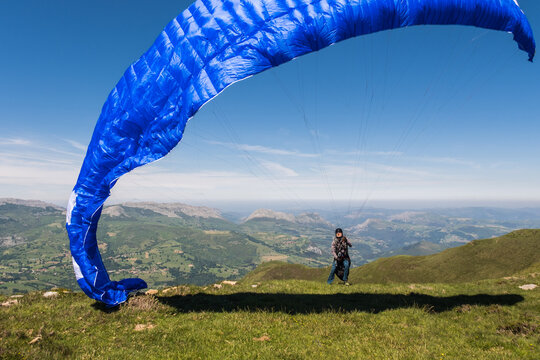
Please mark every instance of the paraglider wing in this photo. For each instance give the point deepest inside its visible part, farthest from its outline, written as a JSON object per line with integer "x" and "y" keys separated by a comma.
{"x": 208, "y": 47}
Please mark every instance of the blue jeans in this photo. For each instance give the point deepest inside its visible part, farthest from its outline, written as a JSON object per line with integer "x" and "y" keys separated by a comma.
{"x": 346, "y": 264}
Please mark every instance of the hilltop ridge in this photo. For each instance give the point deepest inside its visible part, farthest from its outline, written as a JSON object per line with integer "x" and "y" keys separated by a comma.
{"x": 30, "y": 203}
{"x": 173, "y": 210}
{"x": 303, "y": 218}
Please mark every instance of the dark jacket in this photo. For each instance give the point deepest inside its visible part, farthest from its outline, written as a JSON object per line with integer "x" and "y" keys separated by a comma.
{"x": 340, "y": 248}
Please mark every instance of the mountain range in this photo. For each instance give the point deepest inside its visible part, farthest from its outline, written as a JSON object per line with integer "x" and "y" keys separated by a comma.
{"x": 175, "y": 243}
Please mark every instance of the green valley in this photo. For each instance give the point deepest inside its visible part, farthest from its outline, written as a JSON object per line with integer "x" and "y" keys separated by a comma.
{"x": 170, "y": 243}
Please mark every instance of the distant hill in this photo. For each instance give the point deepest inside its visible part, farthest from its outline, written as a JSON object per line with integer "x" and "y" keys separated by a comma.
{"x": 396, "y": 231}
{"x": 177, "y": 209}
{"x": 164, "y": 244}
{"x": 264, "y": 220}
{"x": 304, "y": 218}
{"x": 480, "y": 259}
{"x": 270, "y": 214}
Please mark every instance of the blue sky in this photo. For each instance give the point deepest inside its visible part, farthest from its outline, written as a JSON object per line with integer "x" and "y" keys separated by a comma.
{"x": 426, "y": 113}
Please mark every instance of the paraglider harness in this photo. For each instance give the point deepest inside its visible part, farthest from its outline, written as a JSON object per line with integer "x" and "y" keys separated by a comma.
{"x": 340, "y": 267}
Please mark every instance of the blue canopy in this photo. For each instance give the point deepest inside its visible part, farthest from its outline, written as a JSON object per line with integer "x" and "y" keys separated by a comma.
{"x": 209, "y": 46}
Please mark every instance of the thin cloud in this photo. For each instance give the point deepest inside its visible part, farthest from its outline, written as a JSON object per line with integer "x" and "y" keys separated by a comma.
{"x": 282, "y": 183}
{"x": 28, "y": 146}
{"x": 364, "y": 153}
{"x": 14, "y": 141}
{"x": 49, "y": 172}
{"x": 32, "y": 159}
{"x": 263, "y": 149}
{"x": 373, "y": 170}
{"x": 37, "y": 176}
{"x": 58, "y": 151}
{"x": 446, "y": 160}
{"x": 75, "y": 144}
{"x": 278, "y": 169}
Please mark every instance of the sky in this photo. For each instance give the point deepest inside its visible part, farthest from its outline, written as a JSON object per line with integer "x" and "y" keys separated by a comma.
{"x": 434, "y": 114}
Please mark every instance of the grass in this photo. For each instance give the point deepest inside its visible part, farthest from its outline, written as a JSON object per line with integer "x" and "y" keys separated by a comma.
{"x": 285, "y": 319}
{"x": 287, "y": 311}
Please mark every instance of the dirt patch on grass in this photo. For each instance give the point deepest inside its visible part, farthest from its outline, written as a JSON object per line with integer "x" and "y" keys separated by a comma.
{"x": 465, "y": 308}
{"x": 494, "y": 309}
{"x": 142, "y": 303}
{"x": 142, "y": 327}
{"x": 521, "y": 328}
{"x": 262, "y": 338}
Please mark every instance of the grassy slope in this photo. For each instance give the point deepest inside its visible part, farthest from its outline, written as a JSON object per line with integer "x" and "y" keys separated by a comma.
{"x": 417, "y": 249}
{"x": 479, "y": 259}
{"x": 298, "y": 319}
{"x": 289, "y": 319}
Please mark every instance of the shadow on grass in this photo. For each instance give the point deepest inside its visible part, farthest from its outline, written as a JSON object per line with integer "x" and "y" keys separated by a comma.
{"x": 104, "y": 308}
{"x": 318, "y": 303}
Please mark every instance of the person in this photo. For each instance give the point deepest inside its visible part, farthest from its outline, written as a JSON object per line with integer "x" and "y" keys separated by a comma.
{"x": 340, "y": 250}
